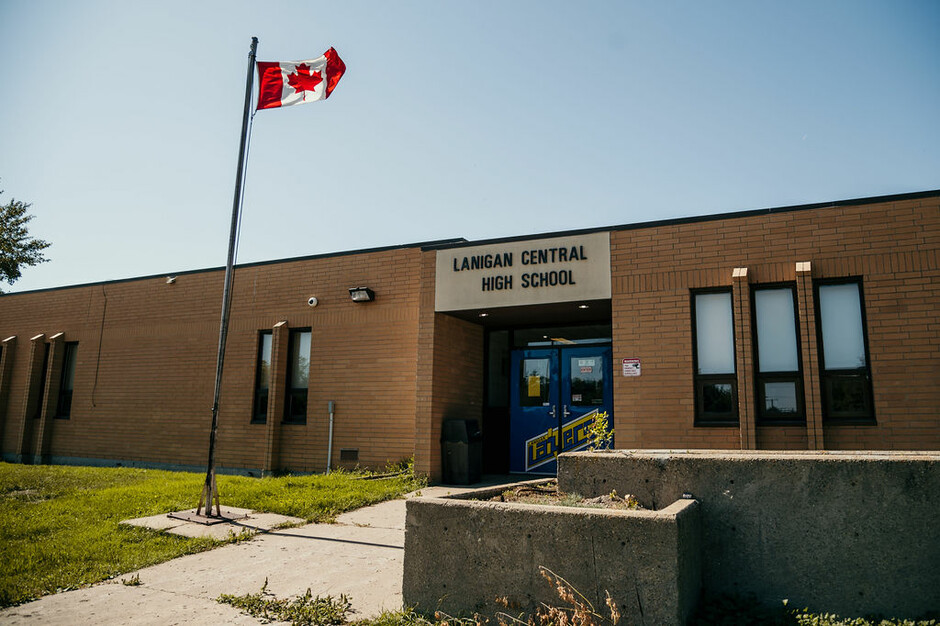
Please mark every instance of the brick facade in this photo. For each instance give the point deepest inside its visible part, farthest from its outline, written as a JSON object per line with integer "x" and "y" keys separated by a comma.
{"x": 146, "y": 361}
{"x": 892, "y": 246}
{"x": 396, "y": 369}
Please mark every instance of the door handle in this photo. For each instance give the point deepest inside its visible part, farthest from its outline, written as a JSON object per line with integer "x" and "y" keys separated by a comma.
{"x": 564, "y": 411}
{"x": 552, "y": 412}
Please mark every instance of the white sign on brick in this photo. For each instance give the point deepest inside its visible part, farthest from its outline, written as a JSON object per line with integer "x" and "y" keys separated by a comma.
{"x": 533, "y": 271}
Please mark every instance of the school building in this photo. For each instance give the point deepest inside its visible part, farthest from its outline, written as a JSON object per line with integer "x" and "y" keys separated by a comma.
{"x": 810, "y": 327}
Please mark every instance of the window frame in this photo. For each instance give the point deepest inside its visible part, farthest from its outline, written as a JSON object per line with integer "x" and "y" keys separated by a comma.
{"x": 701, "y": 381}
{"x": 826, "y": 376}
{"x": 760, "y": 378}
{"x": 291, "y": 392}
{"x": 63, "y": 409}
{"x": 259, "y": 406}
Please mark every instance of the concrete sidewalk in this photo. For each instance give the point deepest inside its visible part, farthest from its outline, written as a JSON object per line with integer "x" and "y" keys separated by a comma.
{"x": 361, "y": 556}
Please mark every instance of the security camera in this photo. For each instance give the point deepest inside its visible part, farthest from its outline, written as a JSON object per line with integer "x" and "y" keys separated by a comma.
{"x": 312, "y": 301}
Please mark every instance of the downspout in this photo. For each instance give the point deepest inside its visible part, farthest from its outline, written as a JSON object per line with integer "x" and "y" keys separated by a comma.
{"x": 329, "y": 450}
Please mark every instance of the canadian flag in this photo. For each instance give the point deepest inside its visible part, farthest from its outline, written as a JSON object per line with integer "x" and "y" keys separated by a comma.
{"x": 295, "y": 82}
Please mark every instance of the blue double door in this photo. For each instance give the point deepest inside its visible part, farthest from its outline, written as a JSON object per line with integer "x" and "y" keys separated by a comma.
{"x": 555, "y": 395}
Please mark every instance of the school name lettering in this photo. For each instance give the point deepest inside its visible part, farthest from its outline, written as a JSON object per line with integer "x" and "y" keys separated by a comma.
{"x": 528, "y": 257}
{"x": 527, "y": 280}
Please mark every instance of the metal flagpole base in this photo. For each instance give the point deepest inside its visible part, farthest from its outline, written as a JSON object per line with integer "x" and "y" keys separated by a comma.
{"x": 228, "y": 515}
{"x": 210, "y": 494}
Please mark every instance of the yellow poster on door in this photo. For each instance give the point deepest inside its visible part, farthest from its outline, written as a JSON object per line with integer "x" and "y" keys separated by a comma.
{"x": 535, "y": 386}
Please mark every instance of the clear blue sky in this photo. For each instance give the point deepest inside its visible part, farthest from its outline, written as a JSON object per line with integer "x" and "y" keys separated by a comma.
{"x": 120, "y": 121}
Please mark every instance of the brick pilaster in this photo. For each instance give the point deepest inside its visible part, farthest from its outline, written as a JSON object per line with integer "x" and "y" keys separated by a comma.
{"x": 50, "y": 398}
{"x": 744, "y": 357}
{"x": 810, "y": 355}
{"x": 427, "y": 426}
{"x": 31, "y": 396}
{"x": 7, "y": 357}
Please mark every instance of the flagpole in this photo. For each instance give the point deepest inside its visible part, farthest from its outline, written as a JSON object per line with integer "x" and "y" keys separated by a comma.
{"x": 210, "y": 492}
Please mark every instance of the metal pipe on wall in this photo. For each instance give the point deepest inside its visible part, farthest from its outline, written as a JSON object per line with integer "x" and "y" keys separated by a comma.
{"x": 329, "y": 450}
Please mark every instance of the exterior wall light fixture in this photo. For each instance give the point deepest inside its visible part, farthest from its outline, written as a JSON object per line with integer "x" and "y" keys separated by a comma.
{"x": 361, "y": 294}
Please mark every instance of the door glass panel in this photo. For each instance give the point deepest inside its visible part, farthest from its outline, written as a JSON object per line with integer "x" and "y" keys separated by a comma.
{"x": 533, "y": 385}
{"x": 587, "y": 381}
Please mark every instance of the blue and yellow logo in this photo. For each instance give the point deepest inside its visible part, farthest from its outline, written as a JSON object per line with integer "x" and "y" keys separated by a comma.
{"x": 543, "y": 448}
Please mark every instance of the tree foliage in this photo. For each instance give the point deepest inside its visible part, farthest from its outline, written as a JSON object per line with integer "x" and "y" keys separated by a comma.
{"x": 17, "y": 248}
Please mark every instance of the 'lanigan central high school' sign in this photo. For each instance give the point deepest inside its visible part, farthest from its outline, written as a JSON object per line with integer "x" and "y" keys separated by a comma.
{"x": 534, "y": 271}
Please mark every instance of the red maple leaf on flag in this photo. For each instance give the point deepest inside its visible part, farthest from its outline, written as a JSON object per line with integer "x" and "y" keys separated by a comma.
{"x": 304, "y": 80}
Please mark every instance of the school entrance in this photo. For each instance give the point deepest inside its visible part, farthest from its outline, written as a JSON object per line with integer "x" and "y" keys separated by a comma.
{"x": 556, "y": 393}
{"x": 544, "y": 387}
{"x": 545, "y": 307}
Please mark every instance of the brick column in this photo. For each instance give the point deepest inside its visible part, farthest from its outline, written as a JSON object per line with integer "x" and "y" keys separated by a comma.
{"x": 810, "y": 356}
{"x": 31, "y": 396}
{"x": 7, "y": 356}
{"x": 276, "y": 393}
{"x": 426, "y": 423}
{"x": 744, "y": 357}
{"x": 50, "y": 398}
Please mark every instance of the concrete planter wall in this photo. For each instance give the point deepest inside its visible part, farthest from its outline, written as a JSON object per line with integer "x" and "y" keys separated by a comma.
{"x": 850, "y": 533}
{"x": 461, "y": 554}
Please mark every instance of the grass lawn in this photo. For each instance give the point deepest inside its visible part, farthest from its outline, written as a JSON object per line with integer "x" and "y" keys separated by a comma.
{"x": 59, "y": 525}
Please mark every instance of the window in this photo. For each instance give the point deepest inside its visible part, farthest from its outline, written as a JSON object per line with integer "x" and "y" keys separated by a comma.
{"x": 716, "y": 397}
{"x": 587, "y": 381}
{"x": 262, "y": 377}
{"x": 298, "y": 376}
{"x": 67, "y": 381}
{"x": 776, "y": 344}
{"x": 844, "y": 365}
{"x": 534, "y": 385}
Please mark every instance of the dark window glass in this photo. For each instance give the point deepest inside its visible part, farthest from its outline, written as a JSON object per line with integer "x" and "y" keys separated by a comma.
{"x": 533, "y": 386}
{"x": 717, "y": 398}
{"x": 587, "y": 381}
{"x": 845, "y": 373}
{"x": 67, "y": 381}
{"x": 262, "y": 377}
{"x": 298, "y": 376}
{"x": 846, "y": 396}
{"x": 715, "y": 379}
{"x": 779, "y": 378}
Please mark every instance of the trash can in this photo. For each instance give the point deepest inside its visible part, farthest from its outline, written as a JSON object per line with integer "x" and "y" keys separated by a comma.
{"x": 461, "y": 451}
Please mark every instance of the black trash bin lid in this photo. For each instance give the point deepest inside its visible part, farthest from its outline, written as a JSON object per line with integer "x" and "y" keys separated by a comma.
{"x": 460, "y": 431}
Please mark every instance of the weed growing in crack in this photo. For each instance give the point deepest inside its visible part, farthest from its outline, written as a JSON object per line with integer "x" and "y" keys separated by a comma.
{"x": 305, "y": 610}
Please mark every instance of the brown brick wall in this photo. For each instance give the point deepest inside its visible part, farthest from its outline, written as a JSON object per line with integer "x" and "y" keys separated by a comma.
{"x": 148, "y": 398}
{"x": 892, "y": 246}
{"x": 396, "y": 369}
{"x": 450, "y": 375}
